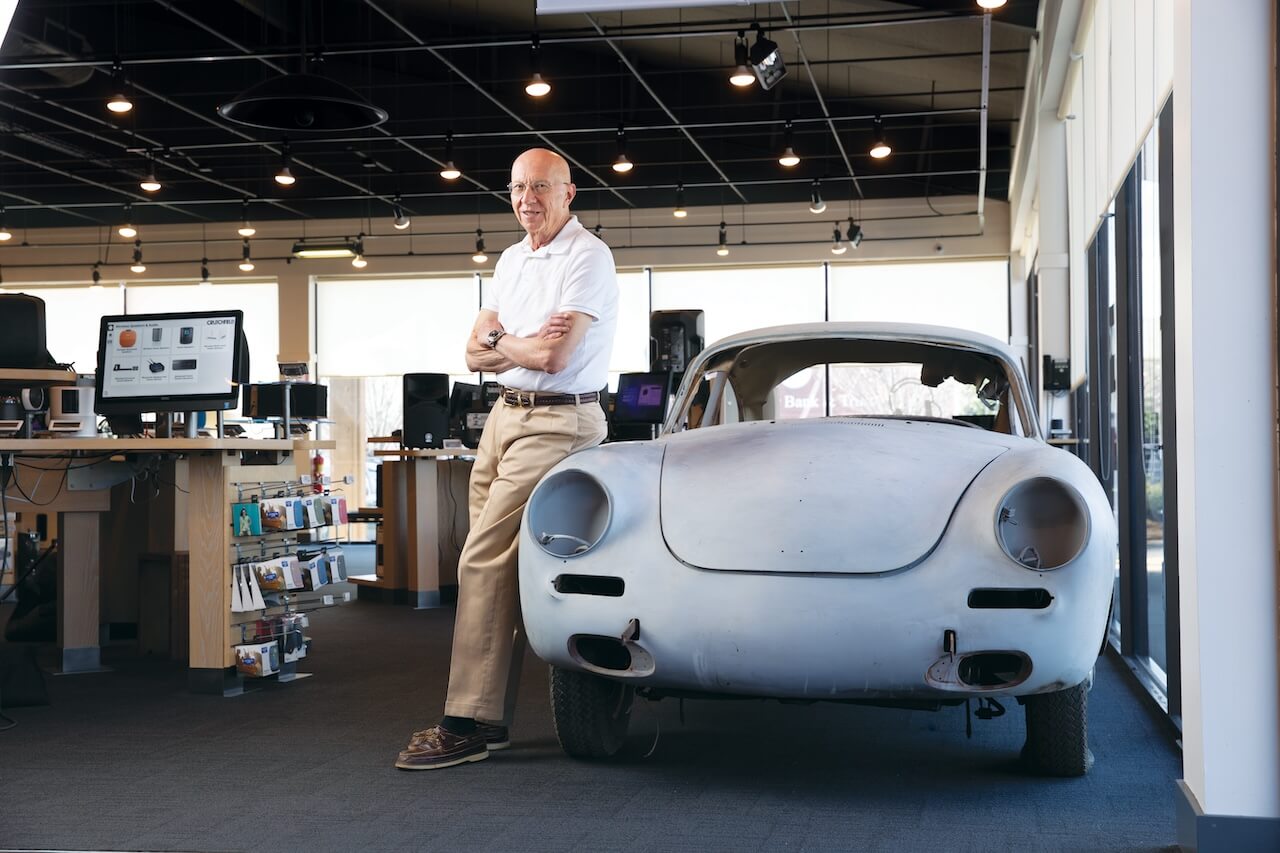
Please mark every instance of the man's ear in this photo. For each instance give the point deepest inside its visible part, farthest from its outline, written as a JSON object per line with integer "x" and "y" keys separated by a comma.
{"x": 572, "y": 193}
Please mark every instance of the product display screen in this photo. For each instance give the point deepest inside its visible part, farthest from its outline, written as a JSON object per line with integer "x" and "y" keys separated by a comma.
{"x": 170, "y": 362}
{"x": 642, "y": 398}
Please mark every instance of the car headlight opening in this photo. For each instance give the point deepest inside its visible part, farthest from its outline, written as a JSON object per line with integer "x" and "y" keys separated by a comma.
{"x": 569, "y": 513}
{"x": 1042, "y": 524}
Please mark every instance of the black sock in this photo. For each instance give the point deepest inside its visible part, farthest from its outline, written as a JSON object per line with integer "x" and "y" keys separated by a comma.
{"x": 458, "y": 725}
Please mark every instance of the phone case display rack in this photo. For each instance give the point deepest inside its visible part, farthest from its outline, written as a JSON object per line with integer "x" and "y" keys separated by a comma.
{"x": 281, "y": 570}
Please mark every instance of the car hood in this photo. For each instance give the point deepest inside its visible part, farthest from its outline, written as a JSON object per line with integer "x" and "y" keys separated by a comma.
{"x": 830, "y": 495}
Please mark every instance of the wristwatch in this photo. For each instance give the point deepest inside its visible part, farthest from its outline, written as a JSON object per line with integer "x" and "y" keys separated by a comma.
{"x": 495, "y": 335}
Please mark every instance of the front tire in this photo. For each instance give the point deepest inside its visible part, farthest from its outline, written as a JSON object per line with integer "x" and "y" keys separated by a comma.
{"x": 1058, "y": 732}
{"x": 591, "y": 714}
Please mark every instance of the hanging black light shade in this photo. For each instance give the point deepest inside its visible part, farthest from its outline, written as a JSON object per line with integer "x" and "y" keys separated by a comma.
{"x": 302, "y": 102}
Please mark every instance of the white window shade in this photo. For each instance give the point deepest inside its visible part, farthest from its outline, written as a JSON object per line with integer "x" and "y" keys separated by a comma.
{"x": 258, "y": 301}
{"x": 383, "y": 327}
{"x": 964, "y": 294}
{"x": 736, "y": 300}
{"x": 71, "y": 321}
{"x": 631, "y": 342}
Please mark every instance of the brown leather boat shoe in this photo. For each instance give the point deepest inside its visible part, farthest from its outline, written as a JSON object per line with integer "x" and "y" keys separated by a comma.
{"x": 495, "y": 737}
{"x": 438, "y": 747}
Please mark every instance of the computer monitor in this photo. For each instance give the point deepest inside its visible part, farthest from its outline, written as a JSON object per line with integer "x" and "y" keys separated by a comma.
{"x": 464, "y": 397}
{"x": 641, "y": 398}
{"x": 180, "y": 362}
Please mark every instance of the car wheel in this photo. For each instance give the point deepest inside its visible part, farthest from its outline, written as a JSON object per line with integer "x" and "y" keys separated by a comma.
{"x": 1058, "y": 732}
{"x": 591, "y": 714}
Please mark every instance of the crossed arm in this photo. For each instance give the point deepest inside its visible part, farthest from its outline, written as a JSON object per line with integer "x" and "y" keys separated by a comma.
{"x": 548, "y": 350}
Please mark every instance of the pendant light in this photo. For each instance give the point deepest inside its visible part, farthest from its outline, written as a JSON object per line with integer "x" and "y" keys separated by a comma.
{"x": 246, "y": 262}
{"x": 788, "y": 157}
{"x": 450, "y": 172}
{"x": 138, "y": 266}
{"x": 742, "y": 76}
{"x": 622, "y": 165}
{"x": 5, "y": 233}
{"x": 150, "y": 183}
{"x": 246, "y": 228}
{"x": 837, "y": 245}
{"x": 284, "y": 177}
{"x": 537, "y": 87}
{"x": 127, "y": 230}
{"x": 880, "y": 147}
{"x": 723, "y": 248}
{"x": 119, "y": 102}
{"x": 480, "y": 257}
{"x": 679, "y": 212}
{"x": 816, "y": 204}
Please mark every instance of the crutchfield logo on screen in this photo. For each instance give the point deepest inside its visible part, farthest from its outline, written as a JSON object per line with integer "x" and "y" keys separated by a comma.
{"x": 219, "y": 322}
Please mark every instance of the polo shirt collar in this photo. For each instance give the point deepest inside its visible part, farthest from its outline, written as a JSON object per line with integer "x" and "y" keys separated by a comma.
{"x": 559, "y": 244}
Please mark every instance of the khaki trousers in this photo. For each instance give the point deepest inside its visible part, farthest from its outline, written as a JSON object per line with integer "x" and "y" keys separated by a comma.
{"x": 517, "y": 447}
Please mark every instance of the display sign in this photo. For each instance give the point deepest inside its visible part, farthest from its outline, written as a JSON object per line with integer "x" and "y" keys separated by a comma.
{"x": 170, "y": 356}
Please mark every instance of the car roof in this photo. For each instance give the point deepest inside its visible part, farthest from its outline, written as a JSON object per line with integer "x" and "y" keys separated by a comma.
{"x": 884, "y": 331}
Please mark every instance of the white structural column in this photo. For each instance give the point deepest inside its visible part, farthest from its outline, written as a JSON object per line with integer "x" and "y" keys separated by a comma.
{"x": 1226, "y": 362}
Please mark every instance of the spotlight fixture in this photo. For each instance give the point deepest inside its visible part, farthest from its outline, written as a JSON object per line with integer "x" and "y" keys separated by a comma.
{"x": 880, "y": 147}
{"x": 622, "y": 165}
{"x": 742, "y": 76}
{"x": 284, "y": 177}
{"x": 816, "y": 204}
{"x": 766, "y": 60}
{"x": 96, "y": 277}
{"x": 138, "y": 265}
{"x": 246, "y": 229}
{"x": 127, "y": 230}
{"x": 837, "y": 245}
{"x": 989, "y": 5}
{"x": 788, "y": 157}
{"x": 679, "y": 212}
{"x": 330, "y": 249}
{"x": 5, "y": 233}
{"x": 358, "y": 261}
{"x": 204, "y": 271}
{"x": 119, "y": 103}
{"x": 723, "y": 248}
{"x": 246, "y": 262}
{"x": 855, "y": 234}
{"x": 537, "y": 87}
{"x": 480, "y": 257}
{"x": 398, "y": 218}
{"x": 449, "y": 172}
{"x": 150, "y": 183}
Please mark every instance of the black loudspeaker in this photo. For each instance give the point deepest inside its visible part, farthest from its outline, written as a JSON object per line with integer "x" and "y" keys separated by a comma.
{"x": 426, "y": 410}
{"x": 22, "y": 340}
{"x": 675, "y": 337}
{"x": 307, "y": 400}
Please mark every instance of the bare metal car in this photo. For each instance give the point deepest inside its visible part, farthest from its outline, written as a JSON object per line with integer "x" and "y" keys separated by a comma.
{"x": 844, "y": 512}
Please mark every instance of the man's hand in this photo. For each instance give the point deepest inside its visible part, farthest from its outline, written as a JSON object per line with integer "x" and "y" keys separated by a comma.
{"x": 556, "y": 326}
{"x": 484, "y": 326}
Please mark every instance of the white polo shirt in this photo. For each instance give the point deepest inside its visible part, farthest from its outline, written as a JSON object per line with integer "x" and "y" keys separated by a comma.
{"x": 574, "y": 272}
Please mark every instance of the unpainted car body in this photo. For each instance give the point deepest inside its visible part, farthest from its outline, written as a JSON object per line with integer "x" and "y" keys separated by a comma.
{"x": 907, "y": 558}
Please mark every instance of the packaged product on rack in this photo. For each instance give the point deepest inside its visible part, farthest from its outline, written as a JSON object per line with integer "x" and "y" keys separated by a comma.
{"x": 246, "y": 519}
{"x": 295, "y": 514}
{"x": 253, "y": 593}
{"x": 337, "y": 565}
{"x": 258, "y": 659}
{"x": 270, "y": 576}
{"x": 337, "y": 509}
{"x": 237, "y": 589}
{"x": 292, "y": 574}
{"x": 274, "y": 514}
{"x": 294, "y": 644}
{"x": 313, "y": 511}
{"x": 315, "y": 570}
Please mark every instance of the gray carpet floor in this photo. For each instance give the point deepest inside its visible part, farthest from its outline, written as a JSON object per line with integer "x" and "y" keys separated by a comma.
{"x": 128, "y": 760}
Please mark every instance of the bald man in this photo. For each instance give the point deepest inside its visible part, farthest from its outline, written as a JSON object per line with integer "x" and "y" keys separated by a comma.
{"x": 546, "y": 329}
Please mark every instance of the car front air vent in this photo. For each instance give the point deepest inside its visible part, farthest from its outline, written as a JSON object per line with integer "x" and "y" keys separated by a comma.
{"x": 986, "y": 598}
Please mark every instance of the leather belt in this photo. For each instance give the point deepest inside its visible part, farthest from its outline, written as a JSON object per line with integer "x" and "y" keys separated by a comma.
{"x": 528, "y": 399}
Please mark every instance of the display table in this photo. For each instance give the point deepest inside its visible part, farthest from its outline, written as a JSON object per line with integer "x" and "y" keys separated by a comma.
{"x": 424, "y": 524}
{"x": 72, "y": 477}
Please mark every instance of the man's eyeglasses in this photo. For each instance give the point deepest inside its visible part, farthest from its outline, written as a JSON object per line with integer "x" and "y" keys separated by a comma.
{"x": 540, "y": 188}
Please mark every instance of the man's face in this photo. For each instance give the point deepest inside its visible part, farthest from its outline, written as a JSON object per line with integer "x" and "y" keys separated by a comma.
{"x": 541, "y": 215}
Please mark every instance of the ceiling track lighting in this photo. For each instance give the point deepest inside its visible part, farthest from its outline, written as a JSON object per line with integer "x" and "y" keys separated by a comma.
{"x": 837, "y": 244}
{"x": 766, "y": 60}
{"x": 723, "y": 248}
{"x": 537, "y": 87}
{"x": 855, "y": 234}
{"x": 450, "y": 172}
{"x": 480, "y": 257}
{"x": 317, "y": 249}
{"x": 816, "y": 204}
{"x": 880, "y": 147}
{"x": 246, "y": 228}
{"x": 204, "y": 271}
{"x": 679, "y": 212}
{"x": 358, "y": 261}
{"x": 5, "y": 233}
{"x": 150, "y": 183}
{"x": 742, "y": 76}
{"x": 246, "y": 262}
{"x": 96, "y": 276}
{"x": 622, "y": 165}
{"x": 127, "y": 230}
{"x": 399, "y": 220}
{"x": 119, "y": 102}
{"x": 284, "y": 177}
{"x": 788, "y": 157}
{"x": 138, "y": 266}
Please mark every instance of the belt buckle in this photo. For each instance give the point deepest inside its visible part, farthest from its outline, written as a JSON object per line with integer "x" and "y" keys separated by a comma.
{"x": 525, "y": 402}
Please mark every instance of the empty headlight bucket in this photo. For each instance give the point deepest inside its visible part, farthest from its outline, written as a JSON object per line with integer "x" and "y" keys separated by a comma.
{"x": 569, "y": 513}
{"x": 1042, "y": 524}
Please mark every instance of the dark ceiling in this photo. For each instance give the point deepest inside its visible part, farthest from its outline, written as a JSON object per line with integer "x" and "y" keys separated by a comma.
{"x": 460, "y": 65}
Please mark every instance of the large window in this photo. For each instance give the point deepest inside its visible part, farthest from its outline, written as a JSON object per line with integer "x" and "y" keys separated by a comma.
{"x": 970, "y": 295}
